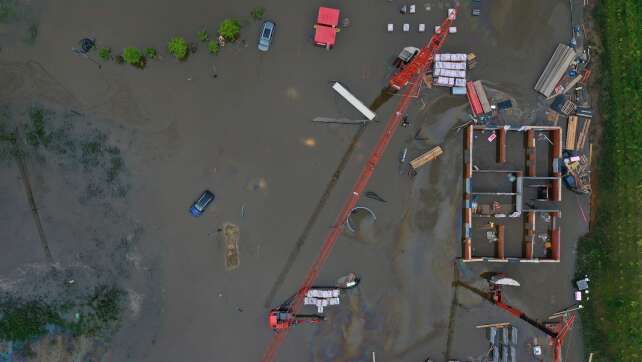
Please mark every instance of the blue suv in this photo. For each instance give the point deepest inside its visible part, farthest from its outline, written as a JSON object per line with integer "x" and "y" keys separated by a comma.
{"x": 266, "y": 36}
{"x": 199, "y": 206}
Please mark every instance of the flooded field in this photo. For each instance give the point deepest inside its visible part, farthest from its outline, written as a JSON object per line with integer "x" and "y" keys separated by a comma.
{"x": 247, "y": 135}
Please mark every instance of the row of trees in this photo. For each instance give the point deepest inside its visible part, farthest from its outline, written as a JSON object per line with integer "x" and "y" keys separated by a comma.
{"x": 229, "y": 30}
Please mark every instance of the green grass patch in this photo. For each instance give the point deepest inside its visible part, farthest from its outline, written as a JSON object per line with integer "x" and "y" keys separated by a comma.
{"x": 22, "y": 321}
{"x": 611, "y": 254}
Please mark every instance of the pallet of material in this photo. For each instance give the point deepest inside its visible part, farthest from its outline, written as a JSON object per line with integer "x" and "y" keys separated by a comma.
{"x": 571, "y": 129}
{"x": 426, "y": 157}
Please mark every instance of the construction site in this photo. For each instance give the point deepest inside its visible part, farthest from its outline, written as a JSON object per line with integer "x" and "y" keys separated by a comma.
{"x": 389, "y": 181}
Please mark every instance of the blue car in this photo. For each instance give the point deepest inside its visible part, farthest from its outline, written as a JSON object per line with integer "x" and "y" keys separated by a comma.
{"x": 267, "y": 31}
{"x": 199, "y": 206}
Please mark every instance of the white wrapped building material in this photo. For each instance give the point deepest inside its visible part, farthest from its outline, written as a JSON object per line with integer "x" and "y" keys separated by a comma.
{"x": 445, "y": 81}
{"x": 451, "y": 65}
{"x": 449, "y": 73}
{"x": 450, "y": 57}
{"x": 460, "y": 82}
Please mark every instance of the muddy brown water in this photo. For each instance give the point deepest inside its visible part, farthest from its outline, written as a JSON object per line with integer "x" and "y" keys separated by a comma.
{"x": 253, "y": 122}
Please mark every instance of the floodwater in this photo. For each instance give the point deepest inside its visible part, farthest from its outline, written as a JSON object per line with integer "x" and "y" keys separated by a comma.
{"x": 248, "y": 136}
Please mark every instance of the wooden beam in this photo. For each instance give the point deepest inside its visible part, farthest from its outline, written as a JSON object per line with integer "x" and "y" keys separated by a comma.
{"x": 501, "y": 145}
{"x": 500, "y": 241}
{"x": 426, "y": 157}
{"x": 497, "y": 325}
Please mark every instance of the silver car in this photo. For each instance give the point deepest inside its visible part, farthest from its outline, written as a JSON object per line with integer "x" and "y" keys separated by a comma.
{"x": 267, "y": 31}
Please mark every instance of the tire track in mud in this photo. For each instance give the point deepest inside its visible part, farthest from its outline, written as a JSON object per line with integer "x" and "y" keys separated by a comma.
{"x": 453, "y": 312}
{"x": 24, "y": 175}
{"x": 294, "y": 253}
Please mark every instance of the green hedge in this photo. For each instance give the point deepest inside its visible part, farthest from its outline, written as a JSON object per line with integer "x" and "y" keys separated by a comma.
{"x": 611, "y": 254}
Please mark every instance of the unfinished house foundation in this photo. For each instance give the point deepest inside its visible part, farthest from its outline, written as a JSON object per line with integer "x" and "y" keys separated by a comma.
{"x": 512, "y": 193}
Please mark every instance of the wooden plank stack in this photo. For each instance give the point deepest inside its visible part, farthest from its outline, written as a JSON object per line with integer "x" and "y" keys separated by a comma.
{"x": 570, "y": 132}
{"x": 581, "y": 141}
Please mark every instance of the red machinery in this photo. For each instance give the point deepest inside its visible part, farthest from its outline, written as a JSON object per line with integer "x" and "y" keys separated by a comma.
{"x": 326, "y": 28}
{"x": 557, "y": 332}
{"x": 410, "y": 74}
{"x": 282, "y": 318}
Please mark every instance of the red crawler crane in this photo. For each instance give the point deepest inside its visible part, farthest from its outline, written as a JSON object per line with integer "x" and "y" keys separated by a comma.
{"x": 410, "y": 74}
{"x": 557, "y": 332}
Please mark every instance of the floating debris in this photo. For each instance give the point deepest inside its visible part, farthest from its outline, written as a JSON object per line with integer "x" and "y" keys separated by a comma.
{"x": 373, "y": 195}
{"x": 231, "y": 236}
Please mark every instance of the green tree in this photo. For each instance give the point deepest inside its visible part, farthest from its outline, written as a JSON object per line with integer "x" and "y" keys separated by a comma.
{"x": 258, "y": 12}
{"x": 203, "y": 36}
{"x": 177, "y": 46}
{"x": 230, "y": 29}
{"x": 104, "y": 53}
{"x": 151, "y": 53}
{"x": 133, "y": 56}
{"x": 213, "y": 47}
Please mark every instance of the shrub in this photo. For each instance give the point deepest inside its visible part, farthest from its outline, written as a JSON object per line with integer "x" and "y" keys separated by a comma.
{"x": 203, "y": 36}
{"x": 229, "y": 29}
{"x": 133, "y": 56}
{"x": 213, "y": 47}
{"x": 258, "y": 13}
{"x": 104, "y": 53}
{"x": 151, "y": 53}
{"x": 177, "y": 46}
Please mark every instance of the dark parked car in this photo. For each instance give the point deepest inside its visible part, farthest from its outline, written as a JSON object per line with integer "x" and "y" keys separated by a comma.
{"x": 199, "y": 206}
{"x": 267, "y": 31}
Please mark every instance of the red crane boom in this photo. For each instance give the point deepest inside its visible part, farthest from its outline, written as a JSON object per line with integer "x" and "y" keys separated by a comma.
{"x": 413, "y": 71}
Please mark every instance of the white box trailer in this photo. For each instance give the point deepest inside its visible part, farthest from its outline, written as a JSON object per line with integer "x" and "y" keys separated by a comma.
{"x": 356, "y": 103}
